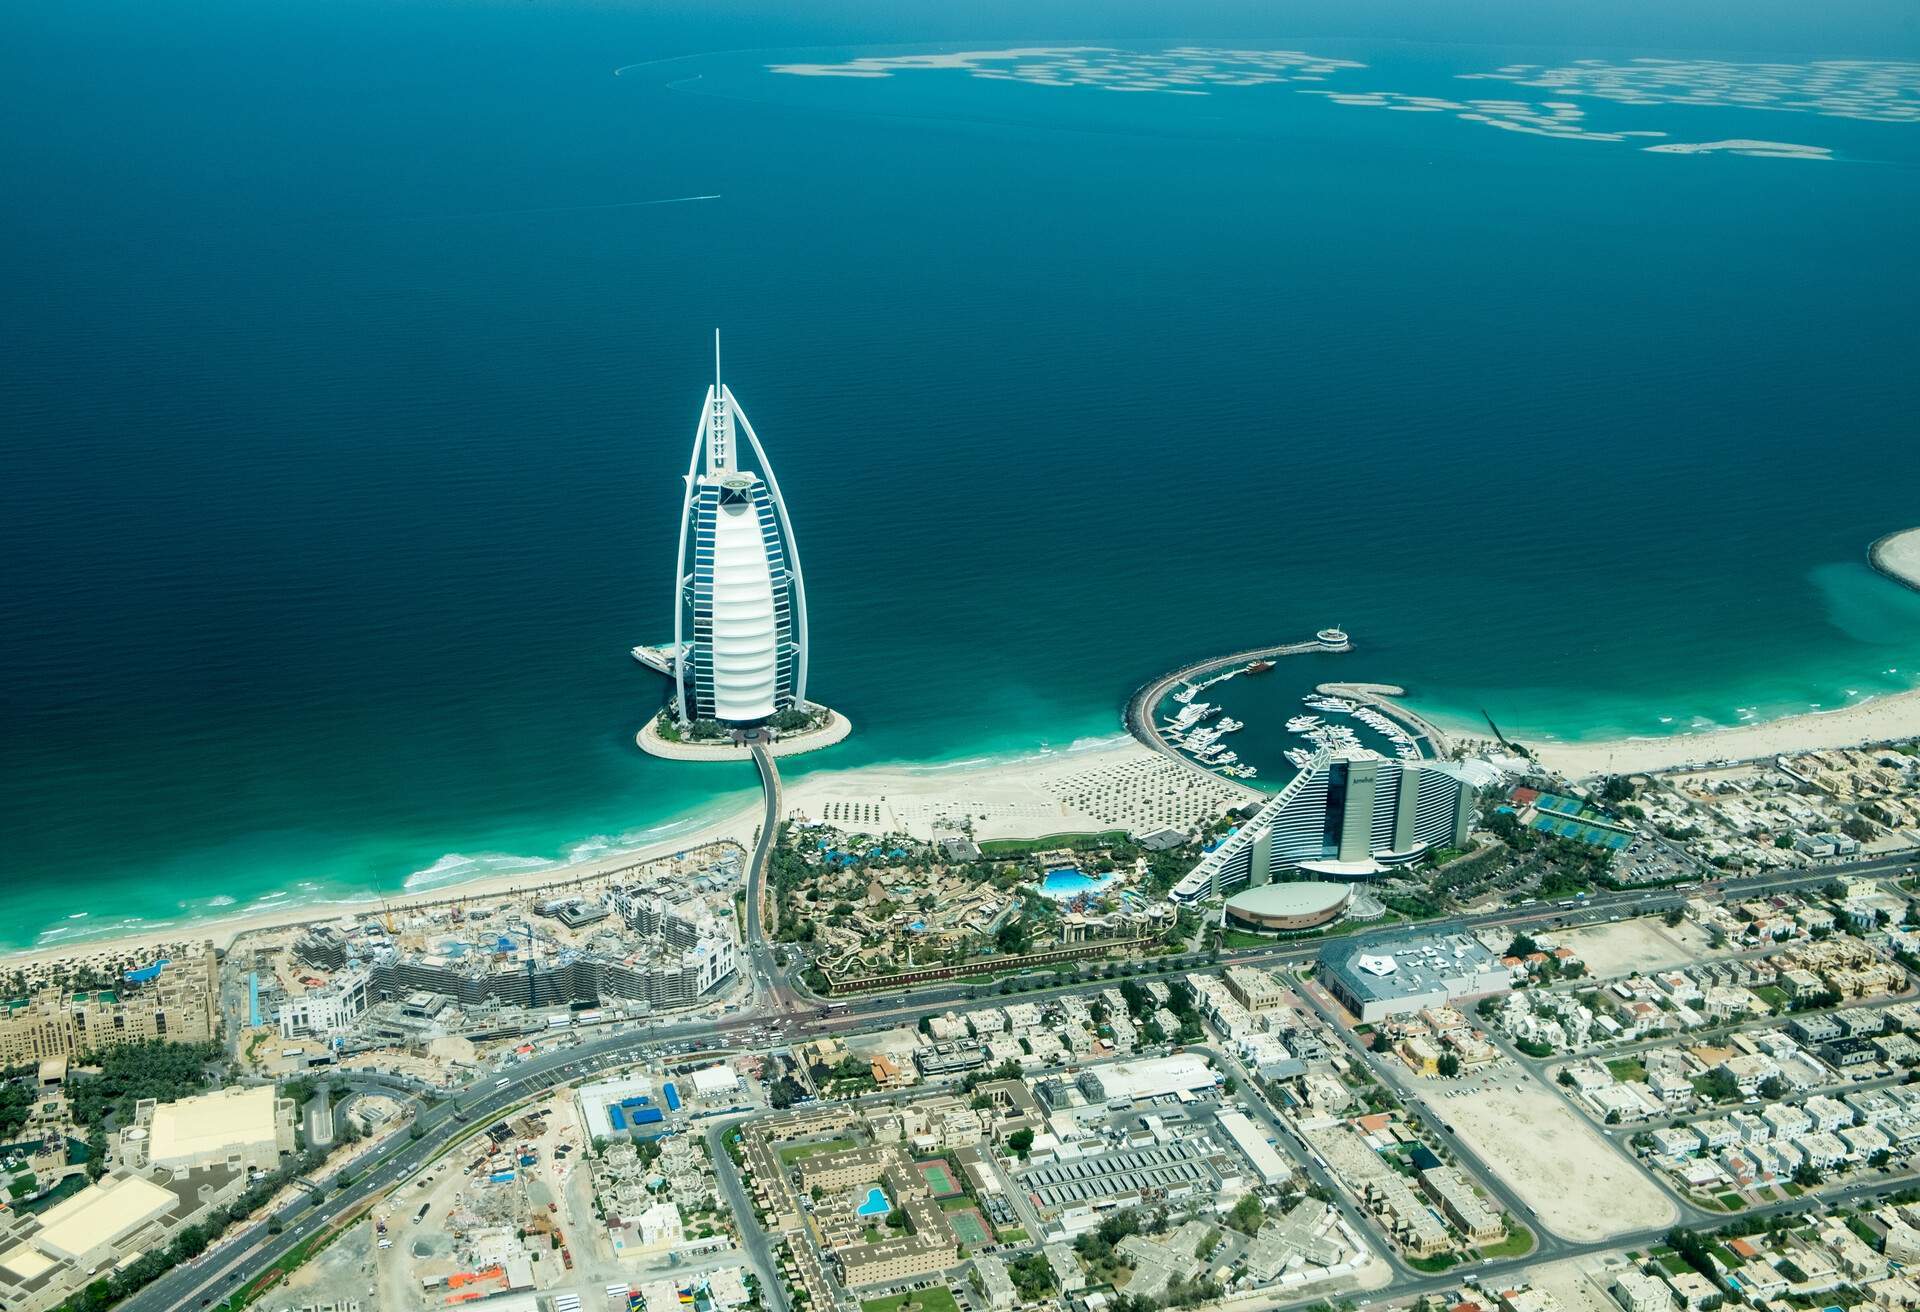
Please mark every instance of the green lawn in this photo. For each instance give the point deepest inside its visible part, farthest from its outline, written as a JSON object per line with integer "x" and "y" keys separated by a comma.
{"x": 1732, "y": 1202}
{"x": 1628, "y": 1070}
{"x": 793, "y": 1152}
{"x": 1773, "y": 995}
{"x": 918, "y": 1300}
{"x": 1672, "y": 1261}
{"x": 1519, "y": 1240}
{"x": 66, "y": 1189}
{"x": 1438, "y": 1262}
{"x": 1014, "y": 1236}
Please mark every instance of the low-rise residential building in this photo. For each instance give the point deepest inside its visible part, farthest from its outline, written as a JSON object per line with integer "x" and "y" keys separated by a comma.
{"x": 1639, "y": 1292}
{"x": 996, "y": 1287}
{"x": 1693, "y": 1290}
{"x": 1256, "y": 990}
{"x": 1462, "y": 1203}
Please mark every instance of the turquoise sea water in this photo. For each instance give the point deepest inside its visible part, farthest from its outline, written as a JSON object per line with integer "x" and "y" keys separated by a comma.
{"x": 348, "y": 366}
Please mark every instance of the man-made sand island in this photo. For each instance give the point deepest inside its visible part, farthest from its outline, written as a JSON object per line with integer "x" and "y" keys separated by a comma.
{"x": 1743, "y": 146}
{"x": 1897, "y": 555}
{"x": 816, "y": 727}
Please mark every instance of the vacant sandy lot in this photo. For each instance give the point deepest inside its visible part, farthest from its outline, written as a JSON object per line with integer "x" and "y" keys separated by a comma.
{"x": 1581, "y": 1283}
{"x": 1577, "y": 1184}
{"x": 1636, "y": 945}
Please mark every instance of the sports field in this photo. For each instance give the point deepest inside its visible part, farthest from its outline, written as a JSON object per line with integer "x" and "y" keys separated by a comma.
{"x": 970, "y": 1227}
{"x": 919, "y": 1300}
{"x": 939, "y": 1177}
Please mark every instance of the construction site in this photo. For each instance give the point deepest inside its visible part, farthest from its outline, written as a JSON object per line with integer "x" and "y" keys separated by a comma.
{"x": 655, "y": 938}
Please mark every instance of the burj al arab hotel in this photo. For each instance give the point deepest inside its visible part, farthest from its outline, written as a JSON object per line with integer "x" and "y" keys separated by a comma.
{"x": 739, "y": 653}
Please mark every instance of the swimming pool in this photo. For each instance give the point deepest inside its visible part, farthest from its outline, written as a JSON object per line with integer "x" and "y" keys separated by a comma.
{"x": 876, "y": 1204}
{"x": 1067, "y": 882}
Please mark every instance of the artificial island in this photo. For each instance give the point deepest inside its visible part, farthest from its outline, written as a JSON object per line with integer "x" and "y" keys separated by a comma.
{"x": 1435, "y": 1022}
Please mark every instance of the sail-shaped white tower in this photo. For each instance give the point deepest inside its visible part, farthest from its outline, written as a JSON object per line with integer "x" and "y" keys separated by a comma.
{"x": 740, "y": 604}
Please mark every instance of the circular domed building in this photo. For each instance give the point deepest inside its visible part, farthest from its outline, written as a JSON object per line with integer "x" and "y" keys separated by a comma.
{"x": 1281, "y": 908}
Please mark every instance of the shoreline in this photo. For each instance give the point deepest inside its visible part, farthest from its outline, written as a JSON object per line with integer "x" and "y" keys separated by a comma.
{"x": 223, "y": 930}
{"x": 738, "y": 825}
{"x": 1014, "y": 782}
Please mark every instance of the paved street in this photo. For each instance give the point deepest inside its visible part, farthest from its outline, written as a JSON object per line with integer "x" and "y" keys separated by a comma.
{"x": 778, "y": 993}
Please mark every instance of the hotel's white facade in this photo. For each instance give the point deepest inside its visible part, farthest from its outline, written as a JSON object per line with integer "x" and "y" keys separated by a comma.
{"x": 1345, "y": 816}
{"x": 740, "y": 605}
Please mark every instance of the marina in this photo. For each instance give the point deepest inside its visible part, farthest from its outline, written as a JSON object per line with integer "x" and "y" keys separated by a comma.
{"x": 1202, "y": 711}
{"x": 1186, "y": 734}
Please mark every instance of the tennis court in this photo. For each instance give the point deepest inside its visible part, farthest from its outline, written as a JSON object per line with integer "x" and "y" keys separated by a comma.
{"x": 970, "y": 1228}
{"x": 939, "y": 1177}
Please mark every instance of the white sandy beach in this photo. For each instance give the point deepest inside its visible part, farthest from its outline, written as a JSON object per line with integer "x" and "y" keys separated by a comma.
{"x": 1110, "y": 783}
{"x": 1881, "y": 719}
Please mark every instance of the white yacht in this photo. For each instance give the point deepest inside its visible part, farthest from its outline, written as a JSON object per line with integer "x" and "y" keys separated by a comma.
{"x": 1338, "y": 705}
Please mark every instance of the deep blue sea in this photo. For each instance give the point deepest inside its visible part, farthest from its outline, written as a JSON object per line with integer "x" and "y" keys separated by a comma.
{"x": 350, "y": 352}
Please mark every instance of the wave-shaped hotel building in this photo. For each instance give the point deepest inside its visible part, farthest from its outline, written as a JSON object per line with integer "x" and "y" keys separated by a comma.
{"x": 739, "y": 653}
{"x": 1345, "y": 816}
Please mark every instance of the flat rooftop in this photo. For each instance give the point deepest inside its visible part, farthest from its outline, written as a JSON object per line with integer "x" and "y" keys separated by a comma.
{"x": 101, "y": 1214}
{"x": 214, "y": 1123}
{"x": 1406, "y": 965}
{"x": 1083, "y": 1180}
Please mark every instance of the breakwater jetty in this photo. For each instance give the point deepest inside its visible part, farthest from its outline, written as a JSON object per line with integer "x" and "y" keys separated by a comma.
{"x": 1384, "y": 697}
